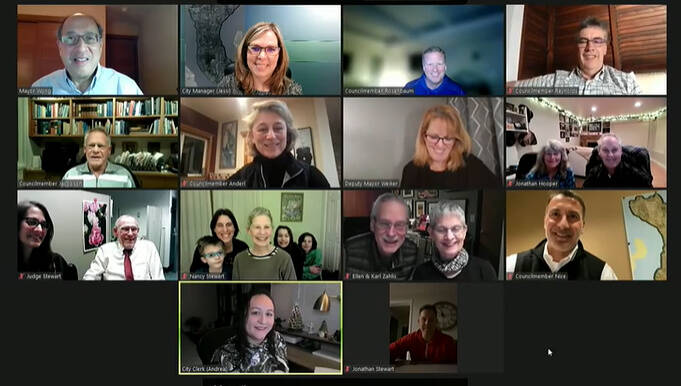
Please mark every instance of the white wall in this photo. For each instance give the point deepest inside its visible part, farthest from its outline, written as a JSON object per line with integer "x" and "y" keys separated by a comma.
{"x": 424, "y": 293}
{"x": 634, "y": 133}
{"x": 379, "y": 135}
{"x": 66, "y": 210}
{"x": 658, "y": 141}
{"x": 514, "y": 26}
{"x": 286, "y": 295}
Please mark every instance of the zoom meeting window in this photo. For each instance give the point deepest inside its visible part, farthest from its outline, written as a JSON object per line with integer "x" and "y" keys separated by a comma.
{"x": 366, "y": 193}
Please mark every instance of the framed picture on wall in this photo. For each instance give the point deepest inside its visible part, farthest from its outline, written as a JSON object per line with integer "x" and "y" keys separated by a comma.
{"x": 420, "y": 208}
{"x": 431, "y": 205}
{"x": 562, "y": 134}
{"x": 227, "y": 137}
{"x": 425, "y": 194}
{"x": 407, "y": 193}
{"x": 304, "y": 149}
{"x": 94, "y": 224}
{"x": 292, "y": 207}
{"x": 410, "y": 206}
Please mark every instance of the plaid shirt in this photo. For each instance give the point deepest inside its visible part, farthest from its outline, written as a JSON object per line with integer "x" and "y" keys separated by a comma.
{"x": 608, "y": 81}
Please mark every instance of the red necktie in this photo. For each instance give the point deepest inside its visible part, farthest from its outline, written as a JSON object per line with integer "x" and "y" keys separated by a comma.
{"x": 127, "y": 264}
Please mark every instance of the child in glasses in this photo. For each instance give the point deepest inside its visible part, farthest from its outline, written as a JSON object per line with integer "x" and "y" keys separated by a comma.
{"x": 209, "y": 256}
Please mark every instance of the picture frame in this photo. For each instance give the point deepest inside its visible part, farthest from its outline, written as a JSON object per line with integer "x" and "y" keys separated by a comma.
{"x": 562, "y": 134}
{"x": 426, "y": 194}
{"x": 292, "y": 207}
{"x": 226, "y": 146}
{"x": 561, "y": 118}
{"x": 410, "y": 206}
{"x": 419, "y": 208}
{"x": 431, "y": 204}
{"x": 95, "y": 216}
{"x": 303, "y": 150}
{"x": 594, "y": 127}
{"x": 407, "y": 193}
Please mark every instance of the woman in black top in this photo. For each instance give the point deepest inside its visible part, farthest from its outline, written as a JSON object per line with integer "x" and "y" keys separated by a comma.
{"x": 34, "y": 239}
{"x": 442, "y": 156}
{"x": 271, "y": 136}
{"x": 450, "y": 260}
{"x": 284, "y": 240}
{"x": 224, "y": 227}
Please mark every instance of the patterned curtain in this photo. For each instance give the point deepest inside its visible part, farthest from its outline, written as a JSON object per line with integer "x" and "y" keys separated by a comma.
{"x": 483, "y": 118}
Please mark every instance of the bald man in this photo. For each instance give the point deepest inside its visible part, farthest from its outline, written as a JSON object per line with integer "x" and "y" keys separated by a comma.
{"x": 79, "y": 40}
{"x": 127, "y": 258}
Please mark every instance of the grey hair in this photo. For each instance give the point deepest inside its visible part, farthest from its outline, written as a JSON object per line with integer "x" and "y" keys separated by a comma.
{"x": 281, "y": 109}
{"x": 594, "y": 22}
{"x": 387, "y": 197}
{"x": 97, "y": 129}
{"x": 446, "y": 208}
{"x": 600, "y": 140}
{"x": 124, "y": 217}
{"x": 259, "y": 211}
{"x": 434, "y": 49}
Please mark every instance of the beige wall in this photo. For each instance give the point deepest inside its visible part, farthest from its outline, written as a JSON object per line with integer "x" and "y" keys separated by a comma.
{"x": 604, "y": 231}
{"x": 96, "y": 11}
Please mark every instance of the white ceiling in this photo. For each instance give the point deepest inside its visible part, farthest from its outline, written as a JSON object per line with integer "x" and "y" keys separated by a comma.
{"x": 608, "y": 106}
{"x": 225, "y": 109}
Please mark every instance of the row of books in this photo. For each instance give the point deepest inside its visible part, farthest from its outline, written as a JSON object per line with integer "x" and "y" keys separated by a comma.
{"x": 91, "y": 110}
{"x": 151, "y": 106}
{"x": 51, "y": 110}
{"x": 120, "y": 127}
{"x": 171, "y": 107}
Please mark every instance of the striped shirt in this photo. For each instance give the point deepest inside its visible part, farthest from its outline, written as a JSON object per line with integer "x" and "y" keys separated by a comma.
{"x": 608, "y": 81}
{"x": 115, "y": 176}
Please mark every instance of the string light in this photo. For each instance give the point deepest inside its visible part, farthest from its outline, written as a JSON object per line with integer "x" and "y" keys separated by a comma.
{"x": 651, "y": 116}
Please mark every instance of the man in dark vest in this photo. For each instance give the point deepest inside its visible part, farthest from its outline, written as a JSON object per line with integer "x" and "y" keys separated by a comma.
{"x": 385, "y": 252}
{"x": 560, "y": 255}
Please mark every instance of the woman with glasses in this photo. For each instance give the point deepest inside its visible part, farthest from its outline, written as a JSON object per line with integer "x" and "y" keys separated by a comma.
{"x": 262, "y": 261}
{"x": 552, "y": 167}
{"x": 261, "y": 64}
{"x": 224, "y": 228}
{"x": 34, "y": 238}
{"x": 271, "y": 136}
{"x": 442, "y": 158}
{"x": 450, "y": 261}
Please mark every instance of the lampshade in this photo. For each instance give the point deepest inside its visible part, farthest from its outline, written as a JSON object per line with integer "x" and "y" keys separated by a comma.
{"x": 322, "y": 304}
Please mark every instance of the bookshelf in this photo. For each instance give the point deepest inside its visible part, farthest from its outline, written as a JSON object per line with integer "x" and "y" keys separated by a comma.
{"x": 134, "y": 124}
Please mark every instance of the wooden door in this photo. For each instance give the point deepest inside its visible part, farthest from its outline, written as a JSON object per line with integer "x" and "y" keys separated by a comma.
{"x": 121, "y": 52}
{"x": 37, "y": 52}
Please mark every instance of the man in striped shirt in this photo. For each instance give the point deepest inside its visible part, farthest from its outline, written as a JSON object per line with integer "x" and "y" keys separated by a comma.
{"x": 591, "y": 77}
{"x": 98, "y": 172}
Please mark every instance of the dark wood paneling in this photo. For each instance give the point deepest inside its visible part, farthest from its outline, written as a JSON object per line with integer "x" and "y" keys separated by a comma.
{"x": 638, "y": 40}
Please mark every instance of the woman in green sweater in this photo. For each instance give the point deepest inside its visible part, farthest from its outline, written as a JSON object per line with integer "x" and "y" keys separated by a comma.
{"x": 312, "y": 269}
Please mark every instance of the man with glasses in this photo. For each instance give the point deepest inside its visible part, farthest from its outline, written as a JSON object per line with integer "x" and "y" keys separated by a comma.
{"x": 98, "y": 172}
{"x": 560, "y": 255}
{"x": 79, "y": 39}
{"x": 591, "y": 76}
{"x": 434, "y": 80}
{"x": 383, "y": 253}
{"x": 127, "y": 258}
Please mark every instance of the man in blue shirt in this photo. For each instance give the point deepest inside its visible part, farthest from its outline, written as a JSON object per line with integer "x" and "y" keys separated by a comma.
{"x": 79, "y": 40}
{"x": 434, "y": 80}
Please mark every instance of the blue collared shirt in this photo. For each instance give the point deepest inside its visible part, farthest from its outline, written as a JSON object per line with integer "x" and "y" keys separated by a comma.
{"x": 447, "y": 87}
{"x": 106, "y": 81}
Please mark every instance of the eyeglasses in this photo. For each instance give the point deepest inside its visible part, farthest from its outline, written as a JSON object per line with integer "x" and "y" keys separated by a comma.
{"x": 225, "y": 225}
{"x": 129, "y": 229}
{"x": 582, "y": 42}
{"x": 256, "y": 50}
{"x": 456, "y": 229}
{"x": 89, "y": 38}
{"x": 385, "y": 226}
{"x": 434, "y": 139}
{"x": 213, "y": 255}
{"x": 34, "y": 222}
